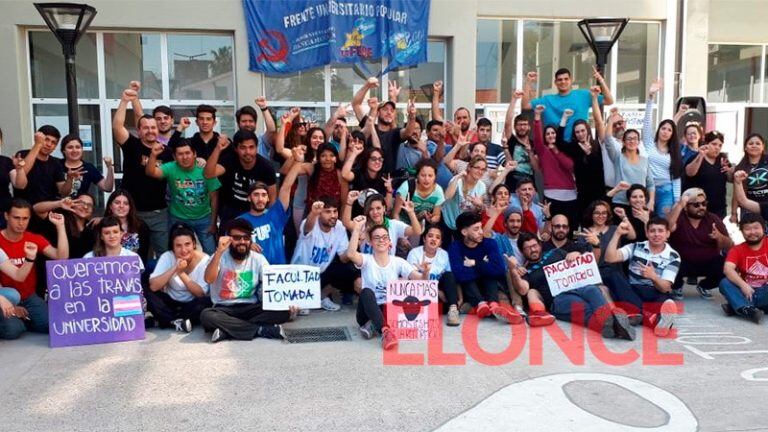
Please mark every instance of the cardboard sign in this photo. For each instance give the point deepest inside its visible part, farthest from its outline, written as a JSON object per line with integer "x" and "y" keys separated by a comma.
{"x": 94, "y": 300}
{"x": 412, "y": 309}
{"x": 564, "y": 276}
{"x": 290, "y": 285}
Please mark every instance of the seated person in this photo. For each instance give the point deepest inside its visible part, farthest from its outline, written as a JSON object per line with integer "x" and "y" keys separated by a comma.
{"x": 177, "y": 290}
{"x": 653, "y": 267}
{"x": 479, "y": 269}
{"x": 534, "y": 217}
{"x": 534, "y": 286}
{"x": 109, "y": 236}
{"x": 744, "y": 286}
{"x": 234, "y": 277}
{"x": 700, "y": 237}
{"x": 439, "y": 270}
{"x": 560, "y": 238}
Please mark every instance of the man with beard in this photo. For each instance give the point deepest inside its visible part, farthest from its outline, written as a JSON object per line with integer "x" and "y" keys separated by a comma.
{"x": 323, "y": 243}
{"x": 412, "y": 151}
{"x": 234, "y": 277}
{"x": 461, "y": 118}
{"x": 561, "y": 237}
{"x": 437, "y": 149}
{"x": 148, "y": 193}
{"x": 494, "y": 153}
{"x": 585, "y": 306}
{"x": 700, "y": 237}
{"x": 390, "y": 136}
{"x": 519, "y": 148}
{"x": 534, "y": 218}
{"x": 247, "y": 119}
{"x": 478, "y": 268}
{"x": 653, "y": 267}
{"x": 238, "y": 172}
{"x": 507, "y": 242}
{"x": 268, "y": 221}
{"x": 746, "y": 271}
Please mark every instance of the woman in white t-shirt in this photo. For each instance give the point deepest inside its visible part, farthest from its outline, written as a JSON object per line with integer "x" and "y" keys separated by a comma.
{"x": 439, "y": 270}
{"x": 375, "y": 210}
{"x": 109, "y": 237}
{"x": 377, "y": 270}
{"x": 177, "y": 290}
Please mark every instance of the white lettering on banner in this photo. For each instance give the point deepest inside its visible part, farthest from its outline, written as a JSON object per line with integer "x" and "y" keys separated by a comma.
{"x": 290, "y": 285}
{"x": 529, "y": 405}
{"x": 564, "y": 276}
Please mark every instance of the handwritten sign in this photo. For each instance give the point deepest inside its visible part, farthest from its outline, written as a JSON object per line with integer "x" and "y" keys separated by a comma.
{"x": 290, "y": 285}
{"x": 412, "y": 309}
{"x": 94, "y": 300}
{"x": 563, "y": 276}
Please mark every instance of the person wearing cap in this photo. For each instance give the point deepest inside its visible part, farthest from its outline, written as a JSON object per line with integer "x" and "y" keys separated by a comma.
{"x": 238, "y": 172}
{"x": 479, "y": 269}
{"x": 512, "y": 218}
{"x": 269, "y": 221}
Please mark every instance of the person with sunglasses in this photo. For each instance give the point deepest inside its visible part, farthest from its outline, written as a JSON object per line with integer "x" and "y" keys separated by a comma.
{"x": 700, "y": 237}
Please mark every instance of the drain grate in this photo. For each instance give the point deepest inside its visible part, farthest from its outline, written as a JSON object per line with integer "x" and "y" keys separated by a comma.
{"x": 317, "y": 334}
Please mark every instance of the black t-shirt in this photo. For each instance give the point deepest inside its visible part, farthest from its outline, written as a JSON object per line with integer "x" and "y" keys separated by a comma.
{"x": 204, "y": 148}
{"x": 538, "y": 280}
{"x": 6, "y": 165}
{"x": 569, "y": 246}
{"x": 390, "y": 143}
{"x": 148, "y": 193}
{"x": 91, "y": 176}
{"x": 41, "y": 180}
{"x": 712, "y": 181}
{"x": 236, "y": 182}
{"x": 361, "y": 183}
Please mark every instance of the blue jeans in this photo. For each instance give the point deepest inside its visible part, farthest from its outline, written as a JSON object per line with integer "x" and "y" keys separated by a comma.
{"x": 623, "y": 294}
{"x": 736, "y": 298}
{"x": 12, "y": 328}
{"x": 200, "y": 227}
{"x": 157, "y": 222}
{"x": 11, "y": 294}
{"x": 590, "y": 298}
{"x": 665, "y": 199}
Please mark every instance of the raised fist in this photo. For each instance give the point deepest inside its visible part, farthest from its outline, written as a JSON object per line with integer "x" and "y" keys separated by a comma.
{"x": 352, "y": 196}
{"x": 30, "y": 250}
{"x": 532, "y": 77}
{"x": 224, "y": 242}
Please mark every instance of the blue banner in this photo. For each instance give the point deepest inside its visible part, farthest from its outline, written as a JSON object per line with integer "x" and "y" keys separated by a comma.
{"x": 296, "y": 35}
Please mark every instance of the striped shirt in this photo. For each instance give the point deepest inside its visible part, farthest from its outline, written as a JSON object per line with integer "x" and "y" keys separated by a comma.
{"x": 666, "y": 263}
{"x": 658, "y": 162}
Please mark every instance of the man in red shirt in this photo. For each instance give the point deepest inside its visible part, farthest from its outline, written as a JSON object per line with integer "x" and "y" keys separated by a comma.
{"x": 699, "y": 236}
{"x": 746, "y": 271}
{"x": 31, "y": 313}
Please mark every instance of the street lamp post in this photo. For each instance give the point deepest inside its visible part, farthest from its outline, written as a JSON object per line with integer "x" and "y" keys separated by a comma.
{"x": 68, "y": 21}
{"x": 601, "y": 34}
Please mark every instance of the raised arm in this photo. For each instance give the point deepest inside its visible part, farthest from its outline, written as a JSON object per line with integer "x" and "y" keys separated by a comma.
{"x": 354, "y": 239}
{"x": 152, "y": 170}
{"x": 597, "y": 115}
{"x": 612, "y": 253}
{"x": 107, "y": 184}
{"x": 393, "y": 91}
{"x": 19, "y": 274}
{"x": 357, "y": 99}
{"x": 674, "y": 213}
{"x": 529, "y": 90}
{"x": 285, "y": 190}
{"x": 29, "y": 160}
{"x": 212, "y": 269}
{"x": 349, "y": 162}
{"x": 741, "y": 195}
{"x": 607, "y": 95}
{"x": 648, "y": 137}
{"x": 269, "y": 121}
{"x": 437, "y": 90}
{"x": 509, "y": 117}
{"x": 212, "y": 168}
{"x": 288, "y": 118}
{"x": 119, "y": 132}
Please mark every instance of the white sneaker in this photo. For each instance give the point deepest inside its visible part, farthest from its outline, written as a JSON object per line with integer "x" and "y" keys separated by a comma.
{"x": 182, "y": 325}
{"x": 666, "y": 318}
{"x": 329, "y": 305}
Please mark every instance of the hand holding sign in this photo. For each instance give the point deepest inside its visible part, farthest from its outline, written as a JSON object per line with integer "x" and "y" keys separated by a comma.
{"x": 285, "y": 286}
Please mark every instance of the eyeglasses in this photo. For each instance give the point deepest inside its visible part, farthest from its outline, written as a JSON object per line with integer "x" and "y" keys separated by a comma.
{"x": 600, "y": 213}
{"x": 631, "y": 138}
{"x": 698, "y": 204}
{"x": 240, "y": 237}
{"x": 376, "y": 159}
{"x": 380, "y": 238}
{"x": 560, "y": 226}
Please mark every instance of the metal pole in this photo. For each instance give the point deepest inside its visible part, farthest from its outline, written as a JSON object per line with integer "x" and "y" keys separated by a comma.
{"x": 72, "y": 108}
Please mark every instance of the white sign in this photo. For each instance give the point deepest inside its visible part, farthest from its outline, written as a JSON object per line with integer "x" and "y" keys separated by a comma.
{"x": 290, "y": 285}
{"x": 410, "y": 304}
{"x": 564, "y": 276}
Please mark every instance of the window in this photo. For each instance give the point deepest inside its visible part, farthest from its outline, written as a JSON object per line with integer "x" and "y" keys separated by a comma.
{"x": 496, "y": 54}
{"x": 735, "y": 73}
{"x": 319, "y": 91}
{"x": 198, "y": 68}
{"x": 638, "y": 64}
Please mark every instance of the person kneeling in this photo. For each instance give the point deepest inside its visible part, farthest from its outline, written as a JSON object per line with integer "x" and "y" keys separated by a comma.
{"x": 177, "y": 290}
{"x": 563, "y": 305}
{"x": 234, "y": 277}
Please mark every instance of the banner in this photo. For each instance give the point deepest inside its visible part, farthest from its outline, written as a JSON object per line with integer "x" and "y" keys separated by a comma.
{"x": 290, "y": 285}
{"x": 564, "y": 276}
{"x": 296, "y": 35}
{"x": 94, "y": 300}
{"x": 412, "y": 309}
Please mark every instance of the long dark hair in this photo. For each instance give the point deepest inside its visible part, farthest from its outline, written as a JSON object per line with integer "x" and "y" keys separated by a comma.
{"x": 675, "y": 156}
{"x": 134, "y": 223}
{"x": 311, "y": 154}
{"x": 315, "y": 177}
{"x": 99, "y": 249}
{"x": 744, "y": 162}
{"x": 365, "y": 157}
{"x": 70, "y": 218}
{"x": 181, "y": 229}
{"x": 586, "y": 220}
{"x": 591, "y": 140}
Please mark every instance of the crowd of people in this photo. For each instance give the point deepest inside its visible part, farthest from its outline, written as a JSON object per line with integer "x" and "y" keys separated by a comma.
{"x": 435, "y": 200}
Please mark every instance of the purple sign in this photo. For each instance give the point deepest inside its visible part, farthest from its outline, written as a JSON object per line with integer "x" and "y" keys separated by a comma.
{"x": 94, "y": 300}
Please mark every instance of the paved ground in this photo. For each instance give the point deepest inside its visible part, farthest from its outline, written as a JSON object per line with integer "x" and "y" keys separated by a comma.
{"x": 171, "y": 382}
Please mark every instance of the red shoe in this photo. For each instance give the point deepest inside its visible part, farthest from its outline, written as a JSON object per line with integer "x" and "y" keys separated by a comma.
{"x": 505, "y": 314}
{"x": 483, "y": 310}
{"x": 540, "y": 319}
{"x": 388, "y": 339}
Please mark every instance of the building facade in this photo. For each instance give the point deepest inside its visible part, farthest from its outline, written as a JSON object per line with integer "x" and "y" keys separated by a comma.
{"x": 189, "y": 52}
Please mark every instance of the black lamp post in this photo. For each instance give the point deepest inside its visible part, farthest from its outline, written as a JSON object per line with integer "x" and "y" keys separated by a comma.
{"x": 601, "y": 34}
{"x": 68, "y": 21}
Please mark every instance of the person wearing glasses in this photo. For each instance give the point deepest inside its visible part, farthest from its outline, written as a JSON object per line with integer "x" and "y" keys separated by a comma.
{"x": 700, "y": 237}
{"x": 710, "y": 170}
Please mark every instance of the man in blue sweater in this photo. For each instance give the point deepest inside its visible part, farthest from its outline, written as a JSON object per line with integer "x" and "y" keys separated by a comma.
{"x": 479, "y": 269}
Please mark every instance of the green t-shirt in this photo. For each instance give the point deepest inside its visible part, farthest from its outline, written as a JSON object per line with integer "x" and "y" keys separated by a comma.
{"x": 420, "y": 204}
{"x": 190, "y": 191}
